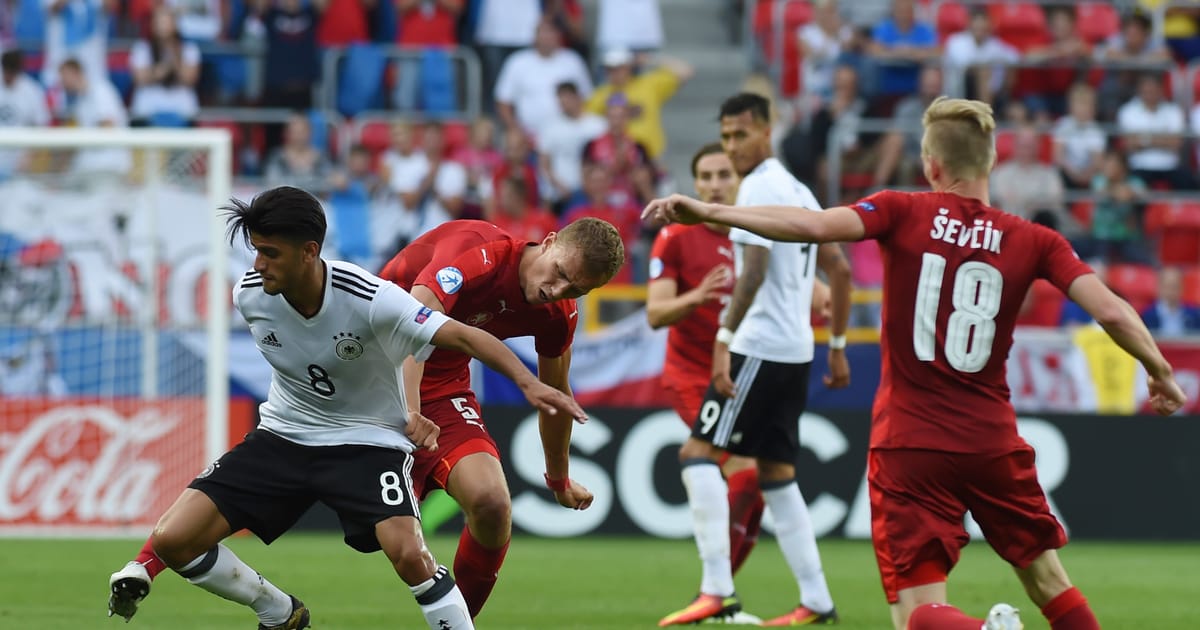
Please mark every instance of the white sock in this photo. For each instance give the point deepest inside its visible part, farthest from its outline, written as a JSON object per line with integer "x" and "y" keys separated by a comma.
{"x": 221, "y": 572}
{"x": 708, "y": 496}
{"x": 794, "y": 531}
{"x": 442, "y": 603}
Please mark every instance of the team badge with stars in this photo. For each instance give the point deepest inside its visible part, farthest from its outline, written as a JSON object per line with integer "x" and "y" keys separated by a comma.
{"x": 346, "y": 346}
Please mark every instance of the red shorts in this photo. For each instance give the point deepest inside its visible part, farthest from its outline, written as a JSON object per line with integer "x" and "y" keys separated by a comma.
{"x": 919, "y": 500}
{"x": 463, "y": 433}
{"x": 686, "y": 398}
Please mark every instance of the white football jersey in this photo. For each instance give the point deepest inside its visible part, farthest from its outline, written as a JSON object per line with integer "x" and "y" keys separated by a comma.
{"x": 777, "y": 326}
{"x": 336, "y": 377}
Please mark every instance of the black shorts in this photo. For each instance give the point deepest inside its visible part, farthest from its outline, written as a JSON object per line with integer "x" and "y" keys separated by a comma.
{"x": 763, "y": 417}
{"x": 266, "y": 483}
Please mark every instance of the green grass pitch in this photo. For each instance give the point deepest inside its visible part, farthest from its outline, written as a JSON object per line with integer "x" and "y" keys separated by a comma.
{"x": 585, "y": 583}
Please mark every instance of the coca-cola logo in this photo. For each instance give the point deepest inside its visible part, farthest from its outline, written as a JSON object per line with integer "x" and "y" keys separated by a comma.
{"x": 83, "y": 464}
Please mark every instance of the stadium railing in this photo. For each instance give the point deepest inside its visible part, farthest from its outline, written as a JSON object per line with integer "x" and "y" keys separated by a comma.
{"x": 469, "y": 83}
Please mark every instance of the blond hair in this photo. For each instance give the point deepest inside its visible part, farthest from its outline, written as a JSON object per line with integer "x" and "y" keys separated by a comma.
{"x": 598, "y": 243}
{"x": 958, "y": 134}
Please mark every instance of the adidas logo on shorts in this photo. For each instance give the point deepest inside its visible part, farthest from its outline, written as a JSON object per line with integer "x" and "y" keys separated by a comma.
{"x": 270, "y": 340}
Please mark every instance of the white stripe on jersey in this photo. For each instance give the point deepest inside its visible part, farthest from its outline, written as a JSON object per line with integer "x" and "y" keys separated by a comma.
{"x": 777, "y": 325}
{"x": 336, "y": 375}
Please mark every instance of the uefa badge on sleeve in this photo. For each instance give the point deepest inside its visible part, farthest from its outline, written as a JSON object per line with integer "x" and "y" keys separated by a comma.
{"x": 347, "y": 347}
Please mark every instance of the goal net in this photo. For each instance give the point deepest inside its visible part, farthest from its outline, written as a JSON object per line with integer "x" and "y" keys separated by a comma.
{"x": 114, "y": 323}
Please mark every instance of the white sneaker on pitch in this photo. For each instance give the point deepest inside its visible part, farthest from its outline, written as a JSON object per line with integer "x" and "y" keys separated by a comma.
{"x": 1003, "y": 617}
{"x": 128, "y": 587}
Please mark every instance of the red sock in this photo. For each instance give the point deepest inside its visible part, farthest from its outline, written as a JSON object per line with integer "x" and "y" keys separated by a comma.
{"x": 1070, "y": 611}
{"x": 745, "y": 515}
{"x": 942, "y": 617}
{"x": 147, "y": 558}
{"x": 476, "y": 569}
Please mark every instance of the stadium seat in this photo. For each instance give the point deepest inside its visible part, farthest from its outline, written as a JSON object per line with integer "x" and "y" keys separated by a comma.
{"x": 439, "y": 89}
{"x": 1082, "y": 211}
{"x": 29, "y": 21}
{"x": 1136, "y": 283}
{"x": 120, "y": 73}
{"x": 1045, "y": 308}
{"x": 1191, "y": 286}
{"x": 951, "y": 18}
{"x": 1097, "y": 21}
{"x": 1021, "y": 24}
{"x": 360, "y": 77}
{"x": 375, "y": 135}
{"x": 1176, "y": 227}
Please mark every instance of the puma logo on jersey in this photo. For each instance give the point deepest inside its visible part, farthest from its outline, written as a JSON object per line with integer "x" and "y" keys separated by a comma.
{"x": 483, "y": 250}
{"x": 271, "y": 340}
{"x": 504, "y": 307}
{"x": 572, "y": 315}
{"x": 725, "y": 251}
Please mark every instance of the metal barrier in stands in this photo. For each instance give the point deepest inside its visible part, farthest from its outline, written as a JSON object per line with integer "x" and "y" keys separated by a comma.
{"x": 470, "y": 81}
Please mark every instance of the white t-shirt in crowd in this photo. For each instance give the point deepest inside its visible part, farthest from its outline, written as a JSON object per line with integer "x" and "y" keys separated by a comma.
{"x": 507, "y": 22}
{"x": 198, "y": 19}
{"x": 79, "y": 31}
{"x": 962, "y": 51}
{"x": 821, "y": 61}
{"x": 99, "y": 105}
{"x": 529, "y": 82}
{"x": 404, "y": 176}
{"x": 1081, "y": 142}
{"x": 563, "y": 141}
{"x": 777, "y": 325}
{"x": 1135, "y": 118}
{"x": 335, "y": 376}
{"x": 22, "y": 104}
{"x": 156, "y": 98}
{"x": 630, "y": 24}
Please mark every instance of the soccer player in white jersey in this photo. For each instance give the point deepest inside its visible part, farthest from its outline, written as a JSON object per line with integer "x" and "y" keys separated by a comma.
{"x": 760, "y": 380}
{"x": 335, "y": 427}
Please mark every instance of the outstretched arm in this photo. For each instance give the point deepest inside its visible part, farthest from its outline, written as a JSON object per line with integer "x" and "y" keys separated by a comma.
{"x": 1122, "y": 323}
{"x": 494, "y": 354}
{"x": 556, "y": 436}
{"x": 778, "y": 223}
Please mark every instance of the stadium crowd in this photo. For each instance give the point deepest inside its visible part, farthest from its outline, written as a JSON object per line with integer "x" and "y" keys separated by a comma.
{"x": 520, "y": 112}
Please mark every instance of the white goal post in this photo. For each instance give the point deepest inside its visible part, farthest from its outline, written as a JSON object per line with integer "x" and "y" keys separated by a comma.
{"x": 114, "y": 323}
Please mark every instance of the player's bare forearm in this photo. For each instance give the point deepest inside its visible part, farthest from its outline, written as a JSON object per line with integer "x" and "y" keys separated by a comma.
{"x": 556, "y": 430}
{"x": 412, "y": 371}
{"x": 488, "y": 349}
{"x": 1121, "y": 322}
{"x": 778, "y": 223}
{"x": 665, "y": 307}
{"x": 833, "y": 262}
{"x": 751, "y": 277}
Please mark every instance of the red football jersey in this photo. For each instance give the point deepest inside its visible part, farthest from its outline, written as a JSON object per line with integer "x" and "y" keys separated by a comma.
{"x": 955, "y": 274}
{"x": 471, "y": 266}
{"x": 686, "y": 253}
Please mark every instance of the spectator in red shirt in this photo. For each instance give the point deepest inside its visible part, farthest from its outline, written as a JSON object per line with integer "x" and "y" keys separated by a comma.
{"x": 627, "y": 161}
{"x": 344, "y": 22}
{"x": 515, "y": 215}
{"x": 626, "y": 217}
{"x": 423, "y": 24}
{"x": 481, "y": 159}
{"x": 516, "y": 164}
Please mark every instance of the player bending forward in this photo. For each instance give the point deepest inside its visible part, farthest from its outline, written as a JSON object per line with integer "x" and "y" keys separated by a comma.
{"x": 335, "y": 427}
{"x": 944, "y": 434}
{"x": 478, "y": 274}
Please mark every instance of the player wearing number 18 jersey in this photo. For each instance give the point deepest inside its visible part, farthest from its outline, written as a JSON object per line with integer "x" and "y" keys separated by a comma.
{"x": 944, "y": 436}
